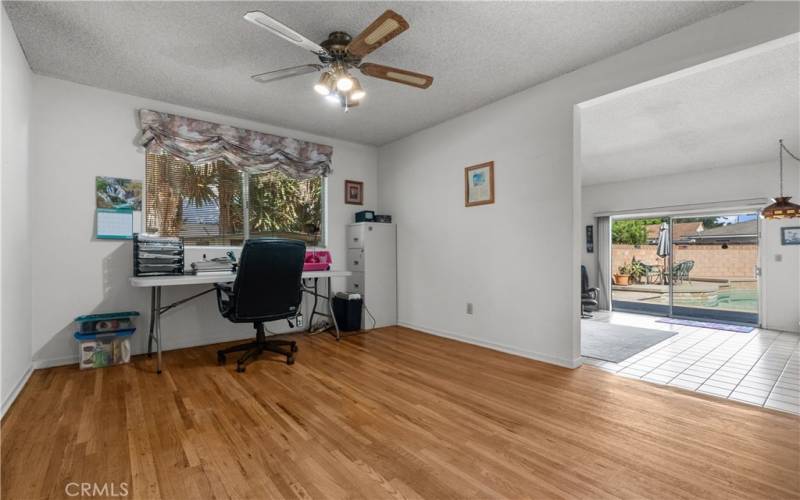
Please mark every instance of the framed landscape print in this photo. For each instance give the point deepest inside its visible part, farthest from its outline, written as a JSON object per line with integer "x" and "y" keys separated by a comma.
{"x": 790, "y": 236}
{"x": 354, "y": 192}
{"x": 113, "y": 192}
{"x": 479, "y": 184}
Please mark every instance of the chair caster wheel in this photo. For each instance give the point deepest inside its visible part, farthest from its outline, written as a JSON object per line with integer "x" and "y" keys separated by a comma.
{"x": 240, "y": 368}
{"x": 220, "y": 358}
{"x": 294, "y": 347}
{"x": 290, "y": 360}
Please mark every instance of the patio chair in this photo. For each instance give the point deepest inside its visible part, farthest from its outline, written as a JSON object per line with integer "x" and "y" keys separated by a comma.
{"x": 681, "y": 270}
{"x": 651, "y": 271}
{"x": 689, "y": 265}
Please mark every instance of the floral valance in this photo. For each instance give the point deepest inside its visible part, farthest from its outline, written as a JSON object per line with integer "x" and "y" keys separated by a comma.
{"x": 198, "y": 142}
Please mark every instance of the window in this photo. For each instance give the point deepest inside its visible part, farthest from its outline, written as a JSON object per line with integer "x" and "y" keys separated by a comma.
{"x": 205, "y": 205}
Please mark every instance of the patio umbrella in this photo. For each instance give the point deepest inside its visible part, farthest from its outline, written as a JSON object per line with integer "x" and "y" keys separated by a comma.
{"x": 663, "y": 247}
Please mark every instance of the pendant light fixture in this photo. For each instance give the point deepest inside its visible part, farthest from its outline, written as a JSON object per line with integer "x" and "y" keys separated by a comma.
{"x": 781, "y": 207}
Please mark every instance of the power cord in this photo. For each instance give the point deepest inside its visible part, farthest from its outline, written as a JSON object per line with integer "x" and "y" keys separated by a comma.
{"x": 364, "y": 303}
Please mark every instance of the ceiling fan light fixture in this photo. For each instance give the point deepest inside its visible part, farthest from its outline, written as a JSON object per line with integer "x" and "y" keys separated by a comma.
{"x": 338, "y": 55}
{"x": 325, "y": 84}
{"x": 357, "y": 92}
{"x": 344, "y": 82}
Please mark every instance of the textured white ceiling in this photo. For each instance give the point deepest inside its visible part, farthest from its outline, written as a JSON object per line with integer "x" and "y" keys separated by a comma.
{"x": 202, "y": 54}
{"x": 724, "y": 113}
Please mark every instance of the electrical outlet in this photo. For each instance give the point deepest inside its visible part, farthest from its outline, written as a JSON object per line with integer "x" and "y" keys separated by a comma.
{"x": 469, "y": 307}
{"x": 778, "y": 257}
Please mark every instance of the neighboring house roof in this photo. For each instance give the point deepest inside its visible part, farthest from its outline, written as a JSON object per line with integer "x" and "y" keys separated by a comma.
{"x": 741, "y": 230}
{"x": 679, "y": 230}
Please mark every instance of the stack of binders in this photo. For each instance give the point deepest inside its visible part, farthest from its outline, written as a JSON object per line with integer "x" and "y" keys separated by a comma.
{"x": 157, "y": 255}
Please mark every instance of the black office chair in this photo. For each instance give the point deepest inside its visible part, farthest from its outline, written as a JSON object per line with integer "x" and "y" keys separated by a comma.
{"x": 588, "y": 294}
{"x": 267, "y": 288}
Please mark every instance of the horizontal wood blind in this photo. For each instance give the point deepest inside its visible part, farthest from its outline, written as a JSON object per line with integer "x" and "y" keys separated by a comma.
{"x": 202, "y": 204}
{"x": 205, "y": 204}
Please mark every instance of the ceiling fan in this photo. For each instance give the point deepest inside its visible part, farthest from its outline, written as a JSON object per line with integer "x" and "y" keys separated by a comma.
{"x": 339, "y": 54}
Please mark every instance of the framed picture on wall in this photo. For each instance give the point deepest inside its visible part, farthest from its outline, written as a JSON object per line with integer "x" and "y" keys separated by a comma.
{"x": 479, "y": 184}
{"x": 354, "y": 192}
{"x": 790, "y": 236}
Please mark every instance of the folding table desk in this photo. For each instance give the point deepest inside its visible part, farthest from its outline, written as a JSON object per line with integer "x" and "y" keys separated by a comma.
{"x": 157, "y": 282}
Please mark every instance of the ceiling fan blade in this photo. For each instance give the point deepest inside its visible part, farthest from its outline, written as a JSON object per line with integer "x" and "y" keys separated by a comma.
{"x": 397, "y": 75}
{"x": 280, "y": 74}
{"x": 277, "y": 28}
{"x": 387, "y": 26}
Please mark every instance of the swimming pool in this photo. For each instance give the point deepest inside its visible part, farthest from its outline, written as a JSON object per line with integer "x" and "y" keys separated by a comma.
{"x": 739, "y": 299}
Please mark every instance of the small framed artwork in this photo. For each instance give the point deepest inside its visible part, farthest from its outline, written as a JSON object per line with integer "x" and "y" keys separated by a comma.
{"x": 479, "y": 184}
{"x": 354, "y": 192}
{"x": 790, "y": 236}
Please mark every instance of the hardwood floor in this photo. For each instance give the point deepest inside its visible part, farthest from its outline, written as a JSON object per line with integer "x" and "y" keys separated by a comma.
{"x": 392, "y": 413}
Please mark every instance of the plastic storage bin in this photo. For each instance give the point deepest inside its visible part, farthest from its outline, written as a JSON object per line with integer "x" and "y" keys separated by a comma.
{"x": 104, "y": 339}
{"x": 104, "y": 323}
{"x": 104, "y": 349}
{"x": 317, "y": 260}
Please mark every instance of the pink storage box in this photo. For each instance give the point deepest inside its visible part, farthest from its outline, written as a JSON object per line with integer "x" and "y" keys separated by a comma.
{"x": 317, "y": 260}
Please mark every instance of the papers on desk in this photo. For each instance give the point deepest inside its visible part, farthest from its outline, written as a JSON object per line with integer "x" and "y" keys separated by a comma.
{"x": 115, "y": 223}
{"x": 218, "y": 265}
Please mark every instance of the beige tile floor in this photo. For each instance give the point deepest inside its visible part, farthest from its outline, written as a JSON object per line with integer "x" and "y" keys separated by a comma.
{"x": 761, "y": 368}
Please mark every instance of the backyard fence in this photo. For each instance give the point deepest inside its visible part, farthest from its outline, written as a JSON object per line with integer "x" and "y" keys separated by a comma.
{"x": 710, "y": 261}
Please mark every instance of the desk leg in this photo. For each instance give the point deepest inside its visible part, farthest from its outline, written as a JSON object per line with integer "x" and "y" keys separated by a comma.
{"x": 330, "y": 309}
{"x": 152, "y": 321}
{"x": 314, "y": 307}
{"x": 158, "y": 328}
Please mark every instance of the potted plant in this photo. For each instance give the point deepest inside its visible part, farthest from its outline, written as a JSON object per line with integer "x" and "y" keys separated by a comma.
{"x": 623, "y": 276}
{"x": 637, "y": 270}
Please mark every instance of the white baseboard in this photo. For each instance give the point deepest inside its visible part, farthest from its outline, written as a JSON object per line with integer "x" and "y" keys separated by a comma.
{"x": 201, "y": 341}
{"x": 17, "y": 389}
{"x": 567, "y": 363}
{"x": 38, "y": 364}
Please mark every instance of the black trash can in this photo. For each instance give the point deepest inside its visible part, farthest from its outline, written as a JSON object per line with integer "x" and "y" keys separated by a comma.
{"x": 347, "y": 310}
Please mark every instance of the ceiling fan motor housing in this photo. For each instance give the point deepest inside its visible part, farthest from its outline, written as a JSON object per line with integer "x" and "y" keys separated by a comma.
{"x": 336, "y": 45}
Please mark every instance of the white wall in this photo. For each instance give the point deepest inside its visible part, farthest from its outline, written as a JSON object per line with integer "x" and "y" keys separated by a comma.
{"x": 517, "y": 260}
{"x": 15, "y": 271}
{"x": 780, "y": 280}
{"x": 81, "y": 132}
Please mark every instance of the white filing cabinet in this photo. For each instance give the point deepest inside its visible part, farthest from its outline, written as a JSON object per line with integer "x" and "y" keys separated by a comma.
{"x": 372, "y": 257}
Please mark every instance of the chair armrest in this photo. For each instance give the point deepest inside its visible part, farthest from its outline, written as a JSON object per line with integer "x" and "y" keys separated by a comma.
{"x": 226, "y": 303}
{"x": 591, "y": 293}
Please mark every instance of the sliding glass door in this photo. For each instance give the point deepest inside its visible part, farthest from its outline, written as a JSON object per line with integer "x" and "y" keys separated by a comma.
{"x": 639, "y": 283}
{"x": 700, "y": 267}
{"x": 715, "y": 268}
